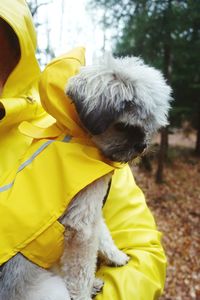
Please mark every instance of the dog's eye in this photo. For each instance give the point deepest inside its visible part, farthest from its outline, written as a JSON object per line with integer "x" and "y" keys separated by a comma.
{"x": 120, "y": 126}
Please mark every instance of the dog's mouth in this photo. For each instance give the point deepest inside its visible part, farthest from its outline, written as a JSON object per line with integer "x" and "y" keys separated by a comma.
{"x": 126, "y": 155}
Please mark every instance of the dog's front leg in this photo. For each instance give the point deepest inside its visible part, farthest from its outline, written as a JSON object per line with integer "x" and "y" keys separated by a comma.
{"x": 108, "y": 251}
{"x": 82, "y": 220}
{"x": 79, "y": 262}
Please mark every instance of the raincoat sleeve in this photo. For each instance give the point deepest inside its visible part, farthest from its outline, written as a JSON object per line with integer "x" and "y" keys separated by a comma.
{"x": 133, "y": 230}
{"x": 20, "y": 108}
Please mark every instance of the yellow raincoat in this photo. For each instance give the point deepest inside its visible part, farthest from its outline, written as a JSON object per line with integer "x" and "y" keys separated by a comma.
{"x": 125, "y": 211}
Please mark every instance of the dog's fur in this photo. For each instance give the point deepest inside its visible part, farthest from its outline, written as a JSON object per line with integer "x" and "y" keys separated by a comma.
{"x": 121, "y": 104}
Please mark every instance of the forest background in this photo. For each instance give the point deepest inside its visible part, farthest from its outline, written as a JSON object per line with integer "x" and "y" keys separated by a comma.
{"x": 166, "y": 34}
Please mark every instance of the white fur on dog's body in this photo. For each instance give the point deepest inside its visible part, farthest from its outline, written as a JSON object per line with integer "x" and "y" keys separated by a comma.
{"x": 49, "y": 288}
{"x": 21, "y": 279}
{"x": 121, "y": 103}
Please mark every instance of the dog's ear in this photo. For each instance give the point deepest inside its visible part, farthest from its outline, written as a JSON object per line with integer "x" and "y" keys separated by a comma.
{"x": 99, "y": 102}
{"x": 97, "y": 119}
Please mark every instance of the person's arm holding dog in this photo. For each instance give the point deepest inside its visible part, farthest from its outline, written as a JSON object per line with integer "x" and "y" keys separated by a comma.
{"x": 134, "y": 231}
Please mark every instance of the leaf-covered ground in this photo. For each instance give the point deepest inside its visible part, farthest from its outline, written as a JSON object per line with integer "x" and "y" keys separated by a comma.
{"x": 176, "y": 208}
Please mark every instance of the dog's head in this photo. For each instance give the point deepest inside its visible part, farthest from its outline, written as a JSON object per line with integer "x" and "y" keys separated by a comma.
{"x": 121, "y": 103}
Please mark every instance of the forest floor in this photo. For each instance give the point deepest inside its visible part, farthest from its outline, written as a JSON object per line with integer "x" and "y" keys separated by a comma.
{"x": 176, "y": 207}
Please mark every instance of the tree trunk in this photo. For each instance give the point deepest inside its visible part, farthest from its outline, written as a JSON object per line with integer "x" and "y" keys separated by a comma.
{"x": 197, "y": 148}
{"x": 162, "y": 155}
{"x": 146, "y": 163}
{"x": 167, "y": 71}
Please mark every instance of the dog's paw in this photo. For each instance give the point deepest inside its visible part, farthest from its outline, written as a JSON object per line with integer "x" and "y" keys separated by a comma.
{"x": 52, "y": 288}
{"x": 117, "y": 258}
{"x": 97, "y": 287}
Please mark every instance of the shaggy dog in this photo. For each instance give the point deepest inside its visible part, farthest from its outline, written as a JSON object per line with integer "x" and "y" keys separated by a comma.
{"x": 121, "y": 103}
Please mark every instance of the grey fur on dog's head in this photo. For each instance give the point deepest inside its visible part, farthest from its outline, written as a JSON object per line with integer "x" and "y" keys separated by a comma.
{"x": 121, "y": 102}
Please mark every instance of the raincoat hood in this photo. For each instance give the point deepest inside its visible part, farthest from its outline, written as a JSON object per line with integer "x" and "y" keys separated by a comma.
{"x": 27, "y": 69}
{"x": 52, "y": 85}
{"x": 54, "y": 100}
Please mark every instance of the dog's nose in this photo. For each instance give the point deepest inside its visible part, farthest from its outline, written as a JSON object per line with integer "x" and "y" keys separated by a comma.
{"x": 140, "y": 147}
